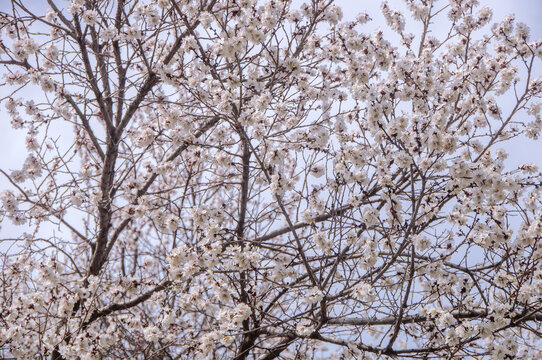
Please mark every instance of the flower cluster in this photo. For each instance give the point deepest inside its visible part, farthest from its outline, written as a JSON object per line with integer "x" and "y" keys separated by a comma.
{"x": 261, "y": 179}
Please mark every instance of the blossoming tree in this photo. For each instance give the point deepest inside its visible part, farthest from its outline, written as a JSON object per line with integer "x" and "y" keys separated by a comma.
{"x": 242, "y": 179}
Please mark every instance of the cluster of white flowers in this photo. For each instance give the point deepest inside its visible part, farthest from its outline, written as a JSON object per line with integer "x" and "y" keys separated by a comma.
{"x": 233, "y": 318}
{"x": 9, "y": 201}
{"x": 182, "y": 261}
{"x": 314, "y": 296}
{"x": 421, "y": 242}
{"x": 364, "y": 292}
{"x": 321, "y": 240}
{"x": 280, "y": 185}
{"x": 242, "y": 178}
{"x": 394, "y": 18}
{"x": 24, "y": 48}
